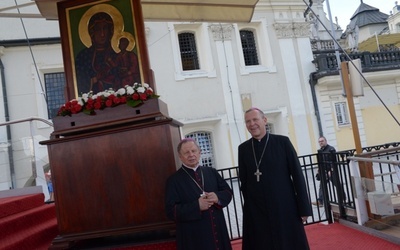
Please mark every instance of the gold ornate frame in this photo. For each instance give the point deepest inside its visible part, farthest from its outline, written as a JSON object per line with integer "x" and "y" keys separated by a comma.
{"x": 127, "y": 21}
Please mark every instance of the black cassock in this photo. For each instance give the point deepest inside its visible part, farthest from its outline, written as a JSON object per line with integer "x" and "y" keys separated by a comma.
{"x": 273, "y": 206}
{"x": 195, "y": 229}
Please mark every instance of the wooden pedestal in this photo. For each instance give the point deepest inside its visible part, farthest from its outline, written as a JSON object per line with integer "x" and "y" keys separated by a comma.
{"x": 110, "y": 180}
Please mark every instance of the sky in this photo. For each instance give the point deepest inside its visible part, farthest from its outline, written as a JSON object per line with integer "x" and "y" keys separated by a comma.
{"x": 344, "y": 13}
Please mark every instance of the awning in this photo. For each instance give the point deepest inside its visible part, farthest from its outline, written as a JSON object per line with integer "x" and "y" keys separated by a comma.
{"x": 179, "y": 10}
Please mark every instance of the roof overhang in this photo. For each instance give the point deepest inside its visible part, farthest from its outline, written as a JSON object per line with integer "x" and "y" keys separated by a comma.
{"x": 178, "y": 10}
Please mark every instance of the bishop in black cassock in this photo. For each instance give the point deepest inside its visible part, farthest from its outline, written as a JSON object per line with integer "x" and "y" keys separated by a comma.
{"x": 197, "y": 227}
{"x": 276, "y": 202}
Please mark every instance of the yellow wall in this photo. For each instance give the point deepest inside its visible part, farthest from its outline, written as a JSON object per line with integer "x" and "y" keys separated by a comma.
{"x": 293, "y": 138}
{"x": 379, "y": 125}
{"x": 344, "y": 138}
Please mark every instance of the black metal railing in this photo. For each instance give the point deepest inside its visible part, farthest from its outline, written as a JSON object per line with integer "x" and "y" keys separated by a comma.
{"x": 326, "y": 64}
{"x": 233, "y": 212}
{"x": 338, "y": 188}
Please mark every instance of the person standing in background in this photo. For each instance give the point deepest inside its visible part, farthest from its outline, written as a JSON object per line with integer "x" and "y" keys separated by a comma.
{"x": 49, "y": 186}
{"x": 327, "y": 163}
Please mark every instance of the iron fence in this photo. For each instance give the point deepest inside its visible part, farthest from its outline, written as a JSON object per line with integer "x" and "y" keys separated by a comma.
{"x": 338, "y": 187}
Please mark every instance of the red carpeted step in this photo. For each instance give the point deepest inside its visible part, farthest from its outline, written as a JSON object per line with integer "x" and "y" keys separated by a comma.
{"x": 36, "y": 237}
{"x": 17, "y": 204}
{"x": 18, "y": 223}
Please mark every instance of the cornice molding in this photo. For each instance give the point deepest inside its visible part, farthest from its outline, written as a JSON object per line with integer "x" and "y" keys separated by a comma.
{"x": 222, "y": 32}
{"x": 292, "y": 30}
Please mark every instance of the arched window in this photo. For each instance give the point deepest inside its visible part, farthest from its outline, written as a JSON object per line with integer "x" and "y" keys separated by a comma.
{"x": 207, "y": 153}
{"x": 188, "y": 50}
{"x": 249, "y": 47}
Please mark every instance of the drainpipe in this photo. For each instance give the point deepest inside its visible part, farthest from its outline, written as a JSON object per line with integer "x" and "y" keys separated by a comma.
{"x": 313, "y": 82}
{"x": 7, "y": 118}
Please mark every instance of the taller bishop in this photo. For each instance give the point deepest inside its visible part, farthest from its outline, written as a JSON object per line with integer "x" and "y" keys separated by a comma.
{"x": 275, "y": 196}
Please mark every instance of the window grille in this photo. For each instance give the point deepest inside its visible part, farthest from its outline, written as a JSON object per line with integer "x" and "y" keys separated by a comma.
{"x": 55, "y": 84}
{"x": 249, "y": 47}
{"x": 341, "y": 113}
{"x": 188, "y": 50}
{"x": 205, "y": 143}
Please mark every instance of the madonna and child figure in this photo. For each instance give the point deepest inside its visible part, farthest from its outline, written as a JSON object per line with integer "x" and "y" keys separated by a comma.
{"x": 99, "y": 67}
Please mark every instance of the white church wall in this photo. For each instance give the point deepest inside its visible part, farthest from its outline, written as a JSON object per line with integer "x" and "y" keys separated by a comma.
{"x": 192, "y": 98}
{"x": 297, "y": 65}
{"x": 22, "y": 76}
{"x": 198, "y": 101}
{"x": 26, "y": 100}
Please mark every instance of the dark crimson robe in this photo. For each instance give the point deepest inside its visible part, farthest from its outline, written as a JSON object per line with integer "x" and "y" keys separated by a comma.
{"x": 195, "y": 229}
{"x": 91, "y": 63}
{"x": 273, "y": 207}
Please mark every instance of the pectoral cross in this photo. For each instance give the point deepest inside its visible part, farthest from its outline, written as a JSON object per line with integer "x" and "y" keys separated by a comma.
{"x": 258, "y": 173}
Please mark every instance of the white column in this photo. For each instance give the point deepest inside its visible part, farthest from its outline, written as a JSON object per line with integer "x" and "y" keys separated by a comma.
{"x": 222, "y": 35}
{"x": 297, "y": 64}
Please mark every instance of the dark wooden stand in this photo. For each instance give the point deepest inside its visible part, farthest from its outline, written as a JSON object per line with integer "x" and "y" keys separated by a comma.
{"x": 109, "y": 173}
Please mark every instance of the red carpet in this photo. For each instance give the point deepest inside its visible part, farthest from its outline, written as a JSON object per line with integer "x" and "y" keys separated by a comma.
{"x": 320, "y": 237}
{"x": 337, "y": 236}
{"x": 26, "y": 222}
{"x": 16, "y": 204}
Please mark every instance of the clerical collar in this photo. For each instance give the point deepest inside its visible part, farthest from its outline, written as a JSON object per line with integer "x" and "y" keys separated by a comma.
{"x": 262, "y": 139}
{"x": 194, "y": 169}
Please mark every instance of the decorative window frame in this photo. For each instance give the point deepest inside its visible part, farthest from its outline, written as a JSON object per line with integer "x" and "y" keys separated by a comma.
{"x": 345, "y": 116}
{"x": 200, "y": 30}
{"x": 264, "y": 50}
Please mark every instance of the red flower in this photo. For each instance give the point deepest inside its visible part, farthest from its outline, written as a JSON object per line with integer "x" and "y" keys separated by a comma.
{"x": 97, "y": 105}
{"x": 116, "y": 100}
{"x": 109, "y": 103}
{"x": 123, "y": 99}
{"x": 76, "y": 108}
{"x": 89, "y": 106}
{"x": 109, "y": 98}
{"x": 135, "y": 96}
{"x": 143, "y": 97}
{"x": 149, "y": 92}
